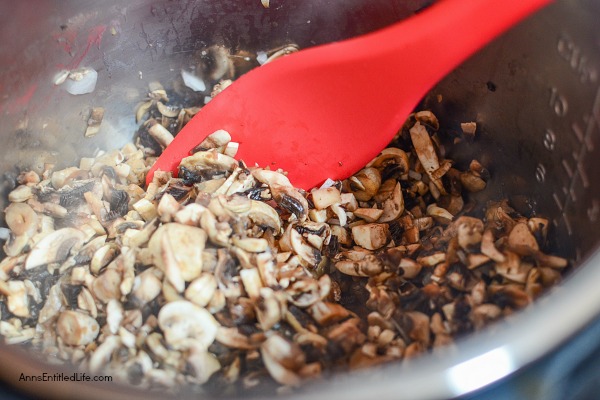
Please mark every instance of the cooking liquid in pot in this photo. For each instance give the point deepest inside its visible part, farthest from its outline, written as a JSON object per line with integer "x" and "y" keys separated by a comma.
{"x": 231, "y": 279}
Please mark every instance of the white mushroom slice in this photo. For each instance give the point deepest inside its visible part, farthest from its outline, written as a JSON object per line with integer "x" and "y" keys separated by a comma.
{"x": 177, "y": 250}
{"x": 471, "y": 182}
{"x": 55, "y": 247}
{"x": 114, "y": 315}
{"x": 167, "y": 111}
{"x": 409, "y": 268}
{"x": 76, "y": 328}
{"x": 368, "y": 265}
{"x": 227, "y": 185}
{"x": 476, "y": 260}
{"x": 264, "y": 215}
{"x": 252, "y": 245}
{"x": 306, "y": 252}
{"x": 20, "y": 194}
{"x": 271, "y": 178}
{"x": 539, "y": 227}
{"x": 78, "y": 275}
{"x": 86, "y": 253}
{"x": 251, "y": 281}
{"x": 424, "y": 147}
{"x": 103, "y": 256}
{"x": 106, "y": 286}
{"x": 368, "y": 214}
{"x": 342, "y": 234}
{"x": 267, "y": 269}
{"x": 202, "y": 365}
{"x": 53, "y": 304}
{"x": 428, "y": 118}
{"x": 513, "y": 268}
{"x": 469, "y": 231}
{"x": 62, "y": 177}
{"x": 340, "y": 213}
{"x": 323, "y": 198}
{"x": 14, "y": 245}
{"x": 159, "y": 133}
{"x": 365, "y": 184}
{"x": 17, "y": 300}
{"x": 217, "y": 233}
{"x": 102, "y": 355}
{"x": 432, "y": 260}
{"x": 521, "y": 239}
{"x": 489, "y": 249}
{"x": 55, "y": 210}
{"x": 439, "y": 212}
{"x": 184, "y": 323}
{"x": 279, "y": 355}
{"x": 209, "y": 159}
{"x": 167, "y": 207}
{"x": 190, "y": 214}
{"x": 317, "y": 215}
{"x": 547, "y": 260}
{"x": 231, "y": 149}
{"x": 326, "y": 313}
{"x": 215, "y": 140}
{"x": 86, "y": 302}
{"x": 391, "y": 155}
{"x": 394, "y": 206}
{"x": 371, "y": 236}
{"x": 21, "y": 218}
{"x": 349, "y": 201}
{"x": 217, "y": 303}
{"x": 127, "y": 338}
{"x": 146, "y": 209}
{"x": 23, "y": 335}
{"x": 146, "y": 286}
{"x": 201, "y": 290}
{"x": 233, "y": 338}
{"x": 270, "y": 308}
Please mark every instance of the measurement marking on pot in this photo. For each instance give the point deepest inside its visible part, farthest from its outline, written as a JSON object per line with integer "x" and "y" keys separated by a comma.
{"x": 577, "y": 60}
{"x": 576, "y": 174}
{"x": 558, "y": 103}
{"x": 594, "y": 210}
{"x": 549, "y": 139}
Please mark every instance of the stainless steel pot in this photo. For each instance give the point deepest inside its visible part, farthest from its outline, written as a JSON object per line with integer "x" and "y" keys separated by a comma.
{"x": 534, "y": 93}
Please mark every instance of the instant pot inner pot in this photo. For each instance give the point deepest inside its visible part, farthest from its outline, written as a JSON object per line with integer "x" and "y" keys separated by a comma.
{"x": 533, "y": 93}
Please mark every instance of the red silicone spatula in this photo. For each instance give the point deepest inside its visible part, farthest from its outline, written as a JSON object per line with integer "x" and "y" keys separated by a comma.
{"x": 326, "y": 111}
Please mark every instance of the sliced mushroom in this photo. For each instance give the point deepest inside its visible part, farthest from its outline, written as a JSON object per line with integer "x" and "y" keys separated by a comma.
{"x": 55, "y": 247}
{"x": 307, "y": 253}
{"x": 488, "y": 247}
{"x": 365, "y": 184}
{"x": 201, "y": 290}
{"x": 371, "y": 236}
{"x": 323, "y": 198}
{"x": 185, "y": 324}
{"x": 394, "y": 206}
{"x": 522, "y": 240}
{"x": 21, "y": 219}
{"x": 210, "y": 159}
{"x": 280, "y": 357}
{"x": 76, "y": 328}
{"x": 469, "y": 232}
{"x": 20, "y": 194}
{"x": 177, "y": 250}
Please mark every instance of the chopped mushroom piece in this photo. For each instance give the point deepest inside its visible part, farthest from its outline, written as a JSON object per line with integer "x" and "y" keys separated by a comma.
{"x": 229, "y": 275}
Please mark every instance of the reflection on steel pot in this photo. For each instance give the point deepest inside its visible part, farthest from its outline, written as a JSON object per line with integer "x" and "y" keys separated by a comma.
{"x": 534, "y": 94}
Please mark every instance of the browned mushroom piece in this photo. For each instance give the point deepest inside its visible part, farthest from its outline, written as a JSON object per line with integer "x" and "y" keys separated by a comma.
{"x": 230, "y": 274}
